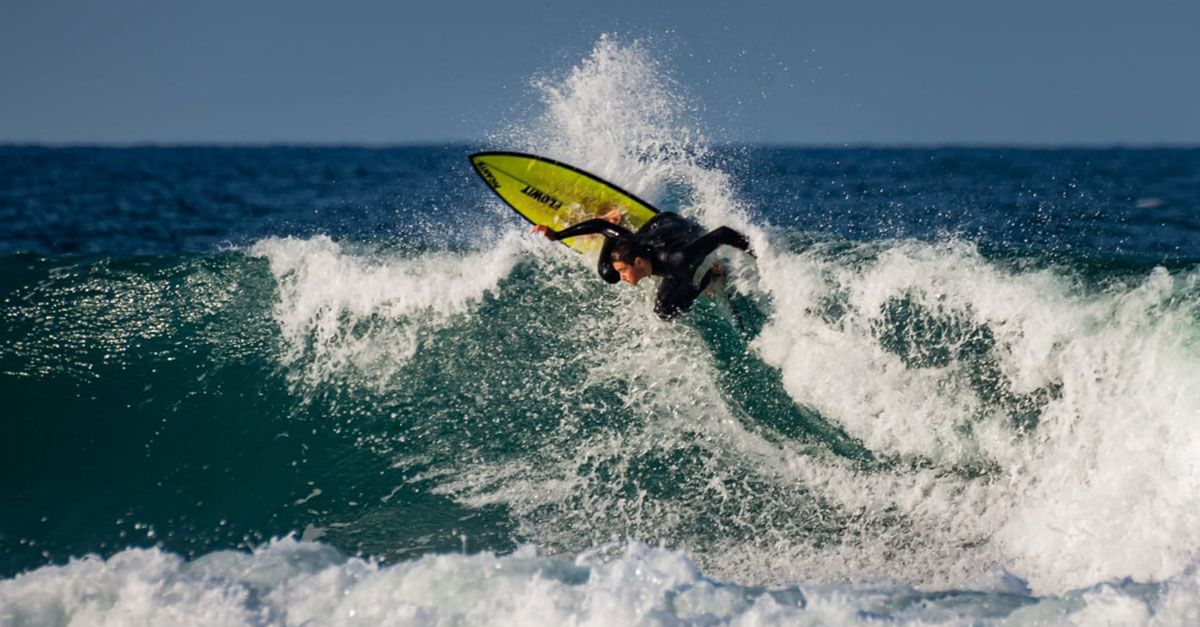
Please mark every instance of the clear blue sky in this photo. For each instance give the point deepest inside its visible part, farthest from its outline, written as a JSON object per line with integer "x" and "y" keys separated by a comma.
{"x": 825, "y": 72}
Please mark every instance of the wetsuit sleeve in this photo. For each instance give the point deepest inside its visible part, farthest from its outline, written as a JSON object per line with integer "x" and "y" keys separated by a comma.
{"x": 592, "y": 227}
{"x": 611, "y": 232}
{"x": 604, "y": 265}
{"x": 705, "y": 244}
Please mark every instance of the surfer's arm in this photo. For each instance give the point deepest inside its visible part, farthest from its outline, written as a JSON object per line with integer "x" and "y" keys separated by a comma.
{"x": 597, "y": 226}
{"x": 705, "y": 244}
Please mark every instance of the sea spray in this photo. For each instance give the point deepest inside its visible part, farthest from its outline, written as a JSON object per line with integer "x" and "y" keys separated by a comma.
{"x": 360, "y": 319}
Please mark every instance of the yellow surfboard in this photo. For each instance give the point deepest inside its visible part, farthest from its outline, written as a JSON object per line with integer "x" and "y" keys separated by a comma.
{"x": 557, "y": 195}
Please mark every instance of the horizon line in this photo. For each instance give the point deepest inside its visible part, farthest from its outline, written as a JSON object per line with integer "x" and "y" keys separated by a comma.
{"x": 948, "y": 145}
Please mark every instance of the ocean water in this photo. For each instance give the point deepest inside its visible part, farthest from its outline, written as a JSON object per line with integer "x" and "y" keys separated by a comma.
{"x": 340, "y": 385}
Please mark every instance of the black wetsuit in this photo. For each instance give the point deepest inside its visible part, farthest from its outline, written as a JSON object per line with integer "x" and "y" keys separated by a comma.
{"x": 677, "y": 250}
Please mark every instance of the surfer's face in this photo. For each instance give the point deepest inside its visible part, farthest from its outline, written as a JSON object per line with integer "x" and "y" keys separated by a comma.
{"x": 631, "y": 273}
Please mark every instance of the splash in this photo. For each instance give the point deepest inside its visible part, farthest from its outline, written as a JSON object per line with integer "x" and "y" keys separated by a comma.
{"x": 345, "y": 316}
{"x": 621, "y": 115}
{"x": 1017, "y": 417}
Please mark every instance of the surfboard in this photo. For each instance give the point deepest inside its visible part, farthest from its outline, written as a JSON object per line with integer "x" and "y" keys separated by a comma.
{"x": 551, "y": 193}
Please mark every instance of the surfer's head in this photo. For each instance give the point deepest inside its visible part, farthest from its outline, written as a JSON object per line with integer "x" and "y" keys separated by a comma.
{"x": 631, "y": 261}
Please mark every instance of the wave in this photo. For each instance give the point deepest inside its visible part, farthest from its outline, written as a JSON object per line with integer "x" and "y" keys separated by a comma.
{"x": 909, "y": 410}
{"x": 906, "y": 409}
{"x": 286, "y": 582}
{"x": 1044, "y": 418}
{"x": 912, "y": 409}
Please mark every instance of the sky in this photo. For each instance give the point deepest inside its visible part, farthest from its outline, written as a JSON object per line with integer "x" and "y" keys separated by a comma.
{"x": 804, "y": 72}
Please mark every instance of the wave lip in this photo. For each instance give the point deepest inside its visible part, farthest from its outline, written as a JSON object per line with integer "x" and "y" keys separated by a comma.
{"x": 340, "y": 312}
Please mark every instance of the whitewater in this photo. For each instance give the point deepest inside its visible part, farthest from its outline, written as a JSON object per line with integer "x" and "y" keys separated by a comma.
{"x": 927, "y": 412}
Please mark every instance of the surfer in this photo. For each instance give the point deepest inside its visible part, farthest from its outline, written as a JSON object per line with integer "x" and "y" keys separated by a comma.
{"x": 668, "y": 246}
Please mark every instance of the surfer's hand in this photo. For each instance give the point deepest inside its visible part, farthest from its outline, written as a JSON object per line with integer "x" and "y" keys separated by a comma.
{"x": 545, "y": 231}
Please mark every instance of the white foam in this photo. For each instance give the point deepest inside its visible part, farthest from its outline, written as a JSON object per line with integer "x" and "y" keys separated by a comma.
{"x": 344, "y": 313}
{"x": 1105, "y": 486}
{"x": 286, "y": 582}
{"x": 295, "y": 583}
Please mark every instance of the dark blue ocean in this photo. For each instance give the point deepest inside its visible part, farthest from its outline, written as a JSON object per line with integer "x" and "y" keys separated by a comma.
{"x": 1134, "y": 205}
{"x": 335, "y": 385}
